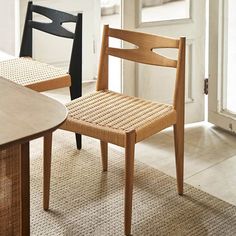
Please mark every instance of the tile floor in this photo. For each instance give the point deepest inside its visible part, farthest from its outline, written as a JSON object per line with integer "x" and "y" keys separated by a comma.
{"x": 210, "y": 154}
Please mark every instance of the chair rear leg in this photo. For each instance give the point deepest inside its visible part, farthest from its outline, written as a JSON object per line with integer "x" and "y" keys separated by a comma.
{"x": 179, "y": 155}
{"x": 47, "y": 169}
{"x": 104, "y": 153}
{"x": 129, "y": 174}
{"x": 78, "y": 139}
{"x": 76, "y": 92}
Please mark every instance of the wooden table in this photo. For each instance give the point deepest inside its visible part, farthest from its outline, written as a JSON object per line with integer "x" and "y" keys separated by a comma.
{"x": 24, "y": 115}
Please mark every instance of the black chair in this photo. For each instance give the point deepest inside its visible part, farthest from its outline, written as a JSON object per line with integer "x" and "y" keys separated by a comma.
{"x": 41, "y": 76}
{"x": 55, "y": 28}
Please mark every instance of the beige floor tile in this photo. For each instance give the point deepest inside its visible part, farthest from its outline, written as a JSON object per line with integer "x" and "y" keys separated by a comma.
{"x": 158, "y": 151}
{"x": 207, "y": 136}
{"x": 219, "y": 180}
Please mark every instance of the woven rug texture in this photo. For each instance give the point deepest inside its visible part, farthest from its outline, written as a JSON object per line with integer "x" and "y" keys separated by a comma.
{"x": 86, "y": 201}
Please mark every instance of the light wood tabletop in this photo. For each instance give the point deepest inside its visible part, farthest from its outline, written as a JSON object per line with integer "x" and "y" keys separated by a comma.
{"x": 26, "y": 114}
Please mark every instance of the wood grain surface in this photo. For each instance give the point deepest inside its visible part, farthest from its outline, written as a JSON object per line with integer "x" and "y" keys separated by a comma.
{"x": 26, "y": 114}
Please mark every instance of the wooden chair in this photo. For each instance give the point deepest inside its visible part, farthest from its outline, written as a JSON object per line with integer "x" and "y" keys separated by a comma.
{"x": 124, "y": 120}
{"x": 40, "y": 76}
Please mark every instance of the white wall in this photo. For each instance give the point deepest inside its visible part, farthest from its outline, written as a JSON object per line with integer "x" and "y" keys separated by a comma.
{"x": 8, "y": 26}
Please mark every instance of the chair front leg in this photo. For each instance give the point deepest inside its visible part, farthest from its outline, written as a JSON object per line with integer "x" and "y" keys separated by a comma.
{"x": 129, "y": 174}
{"x": 47, "y": 153}
{"x": 104, "y": 152}
{"x": 179, "y": 155}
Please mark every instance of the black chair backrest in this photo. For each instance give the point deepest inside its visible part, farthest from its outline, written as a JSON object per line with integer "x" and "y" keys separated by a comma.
{"x": 55, "y": 28}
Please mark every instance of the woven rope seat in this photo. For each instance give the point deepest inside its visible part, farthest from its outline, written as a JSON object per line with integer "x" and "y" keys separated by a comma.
{"x": 111, "y": 115}
{"x": 33, "y": 74}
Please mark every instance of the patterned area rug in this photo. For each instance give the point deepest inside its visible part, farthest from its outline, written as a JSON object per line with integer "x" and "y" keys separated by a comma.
{"x": 86, "y": 201}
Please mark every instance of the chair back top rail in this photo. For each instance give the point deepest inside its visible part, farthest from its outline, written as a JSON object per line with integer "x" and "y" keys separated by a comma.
{"x": 143, "y": 39}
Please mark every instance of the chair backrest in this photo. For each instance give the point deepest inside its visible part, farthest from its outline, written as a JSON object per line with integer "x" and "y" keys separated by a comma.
{"x": 55, "y": 28}
{"x": 143, "y": 53}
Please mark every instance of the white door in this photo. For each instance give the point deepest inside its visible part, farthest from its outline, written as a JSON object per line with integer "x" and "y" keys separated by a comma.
{"x": 173, "y": 18}
{"x": 222, "y": 64}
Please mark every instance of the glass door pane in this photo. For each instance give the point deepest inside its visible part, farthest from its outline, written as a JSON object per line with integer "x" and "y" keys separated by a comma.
{"x": 163, "y": 10}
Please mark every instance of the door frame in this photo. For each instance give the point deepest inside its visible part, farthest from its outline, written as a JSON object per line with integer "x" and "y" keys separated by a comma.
{"x": 216, "y": 114}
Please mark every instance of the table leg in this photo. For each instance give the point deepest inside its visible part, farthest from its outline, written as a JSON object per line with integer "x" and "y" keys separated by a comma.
{"x": 10, "y": 191}
{"x": 25, "y": 189}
